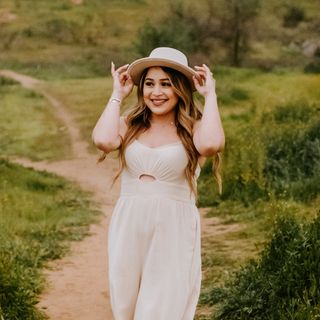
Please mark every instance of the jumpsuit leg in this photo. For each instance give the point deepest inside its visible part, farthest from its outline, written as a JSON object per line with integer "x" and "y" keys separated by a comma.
{"x": 171, "y": 274}
{"x": 124, "y": 266}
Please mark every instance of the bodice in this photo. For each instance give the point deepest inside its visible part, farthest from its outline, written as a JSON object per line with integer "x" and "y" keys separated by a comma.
{"x": 166, "y": 163}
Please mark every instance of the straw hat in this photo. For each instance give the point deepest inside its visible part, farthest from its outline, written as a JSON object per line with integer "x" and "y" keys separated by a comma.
{"x": 162, "y": 57}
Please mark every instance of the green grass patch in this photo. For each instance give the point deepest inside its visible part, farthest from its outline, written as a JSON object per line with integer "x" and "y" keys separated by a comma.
{"x": 28, "y": 126}
{"x": 250, "y": 229}
{"x": 39, "y": 214}
{"x": 283, "y": 283}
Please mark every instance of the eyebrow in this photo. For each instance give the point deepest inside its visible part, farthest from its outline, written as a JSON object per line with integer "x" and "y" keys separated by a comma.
{"x": 163, "y": 79}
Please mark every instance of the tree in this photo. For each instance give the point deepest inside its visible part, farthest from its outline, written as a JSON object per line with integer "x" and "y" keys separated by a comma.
{"x": 182, "y": 28}
{"x": 236, "y": 25}
{"x": 201, "y": 29}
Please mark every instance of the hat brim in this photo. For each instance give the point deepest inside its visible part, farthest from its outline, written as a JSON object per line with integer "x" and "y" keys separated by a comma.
{"x": 136, "y": 68}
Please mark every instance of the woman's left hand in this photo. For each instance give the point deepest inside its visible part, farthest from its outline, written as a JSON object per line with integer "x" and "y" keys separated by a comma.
{"x": 204, "y": 83}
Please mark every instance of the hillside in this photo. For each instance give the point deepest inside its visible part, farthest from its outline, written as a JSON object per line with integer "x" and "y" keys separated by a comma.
{"x": 72, "y": 39}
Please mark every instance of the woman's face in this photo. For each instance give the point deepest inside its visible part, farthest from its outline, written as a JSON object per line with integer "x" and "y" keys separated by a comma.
{"x": 158, "y": 93}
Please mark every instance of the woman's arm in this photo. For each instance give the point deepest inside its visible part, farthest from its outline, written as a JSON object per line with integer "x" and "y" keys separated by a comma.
{"x": 208, "y": 134}
{"x": 110, "y": 126}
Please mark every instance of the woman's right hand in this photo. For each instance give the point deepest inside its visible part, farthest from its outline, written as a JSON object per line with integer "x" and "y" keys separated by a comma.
{"x": 122, "y": 83}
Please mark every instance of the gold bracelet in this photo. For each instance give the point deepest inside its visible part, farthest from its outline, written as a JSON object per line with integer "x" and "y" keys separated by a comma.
{"x": 115, "y": 100}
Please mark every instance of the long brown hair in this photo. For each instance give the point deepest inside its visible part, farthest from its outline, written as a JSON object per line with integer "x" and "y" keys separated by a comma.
{"x": 186, "y": 114}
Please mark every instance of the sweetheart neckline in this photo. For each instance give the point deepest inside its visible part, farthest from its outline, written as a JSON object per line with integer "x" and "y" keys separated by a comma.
{"x": 160, "y": 146}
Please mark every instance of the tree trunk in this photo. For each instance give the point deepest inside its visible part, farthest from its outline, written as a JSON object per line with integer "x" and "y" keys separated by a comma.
{"x": 236, "y": 38}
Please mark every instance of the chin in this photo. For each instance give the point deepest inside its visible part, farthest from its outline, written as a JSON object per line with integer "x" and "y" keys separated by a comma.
{"x": 159, "y": 112}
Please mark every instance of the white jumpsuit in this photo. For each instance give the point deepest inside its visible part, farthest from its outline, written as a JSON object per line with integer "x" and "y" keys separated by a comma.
{"x": 154, "y": 238}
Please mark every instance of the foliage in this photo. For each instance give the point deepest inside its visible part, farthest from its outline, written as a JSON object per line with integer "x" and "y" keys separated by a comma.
{"x": 237, "y": 23}
{"x": 282, "y": 157}
{"x": 38, "y": 213}
{"x": 62, "y": 40}
{"x": 284, "y": 283}
{"x": 181, "y": 29}
{"x": 313, "y": 67}
{"x": 293, "y": 16}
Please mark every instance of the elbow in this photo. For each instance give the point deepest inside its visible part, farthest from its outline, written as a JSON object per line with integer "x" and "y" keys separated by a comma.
{"x": 104, "y": 145}
{"x": 210, "y": 149}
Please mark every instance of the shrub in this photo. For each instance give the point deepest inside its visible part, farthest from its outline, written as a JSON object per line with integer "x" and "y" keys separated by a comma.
{"x": 18, "y": 288}
{"x": 277, "y": 154}
{"x": 7, "y": 82}
{"x": 283, "y": 282}
{"x": 181, "y": 28}
{"x": 293, "y": 16}
{"x": 207, "y": 187}
{"x": 293, "y": 152}
{"x": 150, "y": 37}
{"x": 313, "y": 67}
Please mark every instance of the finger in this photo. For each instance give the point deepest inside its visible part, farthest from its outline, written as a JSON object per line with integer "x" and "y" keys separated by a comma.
{"x": 199, "y": 81}
{"x": 207, "y": 69}
{"x": 196, "y": 83}
{"x": 201, "y": 74}
{"x": 123, "y": 78}
{"x": 198, "y": 68}
{"x": 112, "y": 67}
{"x": 129, "y": 80}
{"x": 204, "y": 68}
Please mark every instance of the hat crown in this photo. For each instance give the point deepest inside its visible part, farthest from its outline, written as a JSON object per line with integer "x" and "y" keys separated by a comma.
{"x": 169, "y": 54}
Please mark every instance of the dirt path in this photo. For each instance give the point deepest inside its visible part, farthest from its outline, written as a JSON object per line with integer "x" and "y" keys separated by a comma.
{"x": 78, "y": 287}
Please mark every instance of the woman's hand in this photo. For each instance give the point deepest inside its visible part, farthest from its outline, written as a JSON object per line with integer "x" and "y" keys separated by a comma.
{"x": 204, "y": 83}
{"x": 122, "y": 83}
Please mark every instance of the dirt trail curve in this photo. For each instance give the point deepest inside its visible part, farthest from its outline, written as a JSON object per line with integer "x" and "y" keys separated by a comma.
{"x": 78, "y": 287}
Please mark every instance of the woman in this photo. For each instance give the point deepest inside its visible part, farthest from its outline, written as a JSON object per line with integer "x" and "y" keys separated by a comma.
{"x": 154, "y": 234}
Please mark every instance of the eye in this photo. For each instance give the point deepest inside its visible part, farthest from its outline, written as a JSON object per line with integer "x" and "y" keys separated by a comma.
{"x": 166, "y": 84}
{"x": 148, "y": 83}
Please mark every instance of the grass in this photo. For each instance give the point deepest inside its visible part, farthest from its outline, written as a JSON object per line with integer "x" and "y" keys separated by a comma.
{"x": 250, "y": 228}
{"x": 28, "y": 126}
{"x": 39, "y": 214}
{"x": 58, "y": 40}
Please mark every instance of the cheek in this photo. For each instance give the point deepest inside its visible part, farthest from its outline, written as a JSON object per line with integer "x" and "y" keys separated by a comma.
{"x": 146, "y": 92}
{"x": 174, "y": 98}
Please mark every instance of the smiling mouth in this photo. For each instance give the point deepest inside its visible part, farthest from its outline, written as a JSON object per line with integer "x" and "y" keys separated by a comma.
{"x": 158, "y": 102}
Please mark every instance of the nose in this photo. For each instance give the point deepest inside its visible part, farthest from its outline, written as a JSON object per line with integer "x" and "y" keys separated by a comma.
{"x": 157, "y": 89}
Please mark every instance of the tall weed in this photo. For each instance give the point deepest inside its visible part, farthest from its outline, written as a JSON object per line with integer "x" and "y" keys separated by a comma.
{"x": 277, "y": 153}
{"x": 284, "y": 283}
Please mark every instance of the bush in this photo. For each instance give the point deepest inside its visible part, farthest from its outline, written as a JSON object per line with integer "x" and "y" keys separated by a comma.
{"x": 207, "y": 187}
{"x": 284, "y": 283}
{"x": 293, "y": 17}
{"x": 18, "y": 288}
{"x": 7, "y": 82}
{"x": 293, "y": 152}
{"x": 313, "y": 67}
{"x": 181, "y": 28}
{"x": 171, "y": 33}
{"x": 282, "y": 157}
